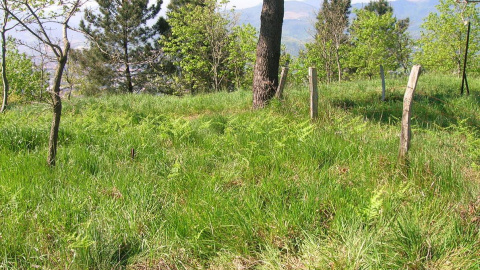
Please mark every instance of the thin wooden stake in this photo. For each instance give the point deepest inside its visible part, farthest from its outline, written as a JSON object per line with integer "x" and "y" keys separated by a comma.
{"x": 405, "y": 134}
{"x": 382, "y": 74}
{"x": 312, "y": 73}
{"x": 283, "y": 81}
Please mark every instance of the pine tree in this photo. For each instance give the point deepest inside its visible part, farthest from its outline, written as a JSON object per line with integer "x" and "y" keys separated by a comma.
{"x": 120, "y": 31}
{"x": 380, "y": 7}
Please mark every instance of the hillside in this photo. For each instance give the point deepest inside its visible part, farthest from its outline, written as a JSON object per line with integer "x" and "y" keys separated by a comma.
{"x": 300, "y": 17}
{"x": 211, "y": 184}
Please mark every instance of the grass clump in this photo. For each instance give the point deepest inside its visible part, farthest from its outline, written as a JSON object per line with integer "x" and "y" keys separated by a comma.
{"x": 215, "y": 185}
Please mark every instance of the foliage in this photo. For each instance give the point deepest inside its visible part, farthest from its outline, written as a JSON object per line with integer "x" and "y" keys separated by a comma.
{"x": 241, "y": 55}
{"x": 25, "y": 77}
{"x": 374, "y": 40}
{"x": 330, "y": 38}
{"x": 403, "y": 46}
{"x": 310, "y": 57}
{"x": 209, "y": 50}
{"x": 380, "y": 7}
{"x": 89, "y": 72}
{"x": 443, "y": 38}
{"x": 177, "y": 4}
{"x": 123, "y": 38}
{"x": 214, "y": 185}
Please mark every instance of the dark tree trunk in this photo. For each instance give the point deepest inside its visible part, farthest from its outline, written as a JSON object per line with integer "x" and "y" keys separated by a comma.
{"x": 4, "y": 65}
{"x": 128, "y": 74}
{"x": 265, "y": 76}
{"x": 129, "y": 79}
{"x": 57, "y": 107}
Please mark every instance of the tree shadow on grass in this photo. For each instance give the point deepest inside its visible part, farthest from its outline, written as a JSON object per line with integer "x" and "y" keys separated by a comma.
{"x": 429, "y": 110}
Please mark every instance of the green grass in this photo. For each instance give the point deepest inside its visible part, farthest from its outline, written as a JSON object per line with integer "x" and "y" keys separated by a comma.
{"x": 215, "y": 185}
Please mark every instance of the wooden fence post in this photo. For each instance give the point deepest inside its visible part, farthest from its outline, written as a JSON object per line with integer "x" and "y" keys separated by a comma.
{"x": 312, "y": 73}
{"x": 283, "y": 81}
{"x": 382, "y": 74}
{"x": 405, "y": 134}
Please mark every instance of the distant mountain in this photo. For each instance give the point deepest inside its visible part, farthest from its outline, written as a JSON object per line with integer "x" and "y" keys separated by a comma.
{"x": 416, "y": 11}
{"x": 300, "y": 18}
{"x": 297, "y": 24}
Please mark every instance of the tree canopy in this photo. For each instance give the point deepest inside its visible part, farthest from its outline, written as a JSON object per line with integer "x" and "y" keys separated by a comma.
{"x": 24, "y": 75}
{"x": 209, "y": 49}
{"x": 374, "y": 40}
{"x": 380, "y": 7}
{"x": 357, "y": 49}
{"x": 443, "y": 37}
{"x": 331, "y": 37}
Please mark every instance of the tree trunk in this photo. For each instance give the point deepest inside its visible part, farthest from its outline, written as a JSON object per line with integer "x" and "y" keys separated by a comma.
{"x": 459, "y": 68}
{"x": 57, "y": 108}
{"x": 4, "y": 65}
{"x": 128, "y": 74}
{"x": 42, "y": 77}
{"x": 339, "y": 66}
{"x": 129, "y": 79}
{"x": 265, "y": 76}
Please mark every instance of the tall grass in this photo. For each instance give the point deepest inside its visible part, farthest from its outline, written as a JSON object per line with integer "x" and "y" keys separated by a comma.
{"x": 215, "y": 185}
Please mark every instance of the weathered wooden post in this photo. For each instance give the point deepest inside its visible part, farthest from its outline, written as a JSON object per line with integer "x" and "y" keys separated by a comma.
{"x": 312, "y": 73}
{"x": 281, "y": 84}
{"x": 405, "y": 134}
{"x": 382, "y": 74}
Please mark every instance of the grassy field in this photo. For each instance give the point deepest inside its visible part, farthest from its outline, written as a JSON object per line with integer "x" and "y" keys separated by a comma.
{"x": 215, "y": 185}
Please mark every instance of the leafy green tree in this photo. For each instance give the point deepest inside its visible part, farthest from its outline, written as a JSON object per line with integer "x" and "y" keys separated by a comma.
{"x": 241, "y": 58}
{"x": 374, "y": 39}
{"x": 209, "y": 50}
{"x": 310, "y": 57}
{"x": 330, "y": 37}
{"x": 25, "y": 78}
{"x": 402, "y": 49}
{"x": 444, "y": 34}
{"x": 121, "y": 32}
